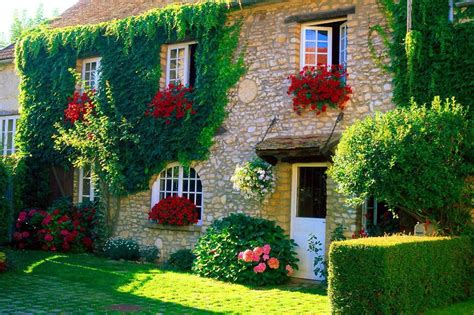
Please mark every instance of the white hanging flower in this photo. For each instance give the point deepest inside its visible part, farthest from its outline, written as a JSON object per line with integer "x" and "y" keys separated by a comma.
{"x": 254, "y": 179}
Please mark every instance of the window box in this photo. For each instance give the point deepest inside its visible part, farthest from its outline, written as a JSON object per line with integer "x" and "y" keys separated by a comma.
{"x": 188, "y": 228}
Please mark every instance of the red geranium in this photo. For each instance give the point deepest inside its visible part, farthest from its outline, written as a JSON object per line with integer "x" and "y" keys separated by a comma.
{"x": 174, "y": 101}
{"x": 318, "y": 87}
{"x": 80, "y": 105}
{"x": 174, "y": 210}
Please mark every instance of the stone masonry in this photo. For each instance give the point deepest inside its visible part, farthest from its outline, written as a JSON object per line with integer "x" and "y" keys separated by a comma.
{"x": 272, "y": 53}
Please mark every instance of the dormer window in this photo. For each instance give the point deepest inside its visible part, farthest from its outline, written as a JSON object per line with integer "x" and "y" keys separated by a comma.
{"x": 180, "y": 64}
{"x": 324, "y": 43}
{"x": 90, "y": 72}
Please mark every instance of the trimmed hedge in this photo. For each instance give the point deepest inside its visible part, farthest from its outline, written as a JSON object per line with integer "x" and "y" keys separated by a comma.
{"x": 398, "y": 274}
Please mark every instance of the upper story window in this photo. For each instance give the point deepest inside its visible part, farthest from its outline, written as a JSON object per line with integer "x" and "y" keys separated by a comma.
{"x": 324, "y": 43}
{"x": 177, "y": 180}
{"x": 90, "y": 72}
{"x": 8, "y": 131}
{"x": 86, "y": 185}
{"x": 180, "y": 65}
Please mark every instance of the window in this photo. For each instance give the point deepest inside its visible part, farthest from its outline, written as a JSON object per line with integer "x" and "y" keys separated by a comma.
{"x": 324, "y": 43}
{"x": 90, "y": 72}
{"x": 179, "y": 181}
{"x": 311, "y": 192}
{"x": 8, "y": 130}
{"x": 180, "y": 64}
{"x": 86, "y": 185}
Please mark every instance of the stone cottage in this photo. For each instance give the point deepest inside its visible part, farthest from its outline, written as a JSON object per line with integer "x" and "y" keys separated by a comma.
{"x": 280, "y": 37}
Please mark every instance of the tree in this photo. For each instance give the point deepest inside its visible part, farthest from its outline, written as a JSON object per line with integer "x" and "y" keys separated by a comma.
{"x": 416, "y": 159}
{"x": 22, "y": 22}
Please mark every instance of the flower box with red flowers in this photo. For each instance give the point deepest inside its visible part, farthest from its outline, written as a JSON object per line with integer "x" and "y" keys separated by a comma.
{"x": 173, "y": 102}
{"x": 317, "y": 88}
{"x": 174, "y": 210}
{"x": 80, "y": 105}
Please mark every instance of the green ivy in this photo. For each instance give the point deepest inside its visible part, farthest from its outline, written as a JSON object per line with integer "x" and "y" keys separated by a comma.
{"x": 432, "y": 59}
{"x": 128, "y": 148}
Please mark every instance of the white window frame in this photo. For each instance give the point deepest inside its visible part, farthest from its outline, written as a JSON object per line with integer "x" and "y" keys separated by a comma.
{"x": 187, "y": 61}
{"x": 97, "y": 75}
{"x": 91, "y": 194}
{"x": 4, "y": 146}
{"x": 303, "y": 43}
{"x": 343, "y": 36}
{"x": 156, "y": 188}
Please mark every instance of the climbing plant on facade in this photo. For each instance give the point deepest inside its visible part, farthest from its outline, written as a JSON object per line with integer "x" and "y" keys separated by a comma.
{"x": 124, "y": 145}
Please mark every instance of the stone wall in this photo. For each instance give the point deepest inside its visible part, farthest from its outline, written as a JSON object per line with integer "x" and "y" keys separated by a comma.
{"x": 9, "y": 82}
{"x": 272, "y": 54}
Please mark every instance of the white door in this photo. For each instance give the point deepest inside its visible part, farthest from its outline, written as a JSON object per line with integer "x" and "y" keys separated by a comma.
{"x": 308, "y": 213}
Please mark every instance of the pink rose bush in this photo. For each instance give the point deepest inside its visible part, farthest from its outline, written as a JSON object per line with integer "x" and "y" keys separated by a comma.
{"x": 261, "y": 255}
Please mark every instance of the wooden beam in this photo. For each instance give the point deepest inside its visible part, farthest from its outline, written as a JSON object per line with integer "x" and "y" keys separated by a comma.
{"x": 321, "y": 15}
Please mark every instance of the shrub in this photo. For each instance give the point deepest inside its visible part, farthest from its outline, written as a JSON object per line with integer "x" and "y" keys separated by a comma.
{"x": 223, "y": 252}
{"x": 398, "y": 274}
{"x": 149, "y": 253}
{"x": 63, "y": 227}
{"x": 181, "y": 260}
{"x": 120, "y": 248}
{"x": 416, "y": 159}
{"x": 174, "y": 210}
{"x": 3, "y": 262}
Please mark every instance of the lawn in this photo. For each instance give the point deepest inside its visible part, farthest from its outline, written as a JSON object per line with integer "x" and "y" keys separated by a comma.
{"x": 55, "y": 283}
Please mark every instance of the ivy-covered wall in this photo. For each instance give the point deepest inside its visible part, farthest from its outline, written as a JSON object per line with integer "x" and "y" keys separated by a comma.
{"x": 435, "y": 58}
{"x": 127, "y": 147}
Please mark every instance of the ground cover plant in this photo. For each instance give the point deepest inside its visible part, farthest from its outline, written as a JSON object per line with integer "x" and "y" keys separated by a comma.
{"x": 247, "y": 250}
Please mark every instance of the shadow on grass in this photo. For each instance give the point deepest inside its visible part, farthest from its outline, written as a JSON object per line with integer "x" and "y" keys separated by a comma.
{"x": 98, "y": 281}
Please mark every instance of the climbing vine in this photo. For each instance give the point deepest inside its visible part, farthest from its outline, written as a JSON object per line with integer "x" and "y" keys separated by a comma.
{"x": 125, "y": 146}
{"x": 434, "y": 57}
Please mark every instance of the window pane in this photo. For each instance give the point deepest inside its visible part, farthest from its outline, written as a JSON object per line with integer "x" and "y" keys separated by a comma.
{"x": 93, "y": 66}
{"x": 322, "y": 47}
{"x": 10, "y": 141}
{"x": 185, "y": 185}
{"x": 312, "y": 192}
{"x": 86, "y": 186}
{"x": 322, "y": 59}
{"x": 10, "y": 125}
{"x": 310, "y": 59}
{"x": 181, "y": 53}
{"x": 323, "y": 35}
{"x": 310, "y": 47}
{"x": 173, "y": 53}
{"x": 88, "y": 66}
{"x": 310, "y": 35}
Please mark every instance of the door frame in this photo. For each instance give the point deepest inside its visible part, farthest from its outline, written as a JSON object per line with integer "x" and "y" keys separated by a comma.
{"x": 294, "y": 194}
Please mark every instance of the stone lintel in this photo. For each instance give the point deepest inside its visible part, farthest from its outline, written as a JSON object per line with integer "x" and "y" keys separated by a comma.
{"x": 321, "y": 16}
{"x": 187, "y": 228}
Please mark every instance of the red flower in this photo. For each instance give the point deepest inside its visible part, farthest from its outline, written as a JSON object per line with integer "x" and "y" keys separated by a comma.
{"x": 46, "y": 220}
{"x": 56, "y": 212}
{"x": 48, "y": 238}
{"x": 318, "y": 87}
{"x": 80, "y": 105}
{"x": 174, "y": 210}
{"x": 87, "y": 242}
{"x": 174, "y": 101}
{"x": 22, "y": 216}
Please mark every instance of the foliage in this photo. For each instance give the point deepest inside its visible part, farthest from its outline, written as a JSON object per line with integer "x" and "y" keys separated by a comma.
{"x": 64, "y": 227}
{"x": 218, "y": 250}
{"x": 22, "y": 22}
{"x": 181, "y": 260}
{"x": 398, "y": 274}
{"x": 3, "y": 262}
{"x": 338, "y": 233}
{"x": 149, "y": 253}
{"x": 319, "y": 266}
{"x": 121, "y": 248}
{"x": 387, "y": 224}
{"x": 415, "y": 159}
{"x": 317, "y": 88}
{"x": 254, "y": 179}
{"x": 124, "y": 146}
{"x": 431, "y": 59}
{"x": 174, "y": 210}
{"x": 173, "y": 102}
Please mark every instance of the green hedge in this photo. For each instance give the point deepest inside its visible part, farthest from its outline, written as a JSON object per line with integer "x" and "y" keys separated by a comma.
{"x": 398, "y": 274}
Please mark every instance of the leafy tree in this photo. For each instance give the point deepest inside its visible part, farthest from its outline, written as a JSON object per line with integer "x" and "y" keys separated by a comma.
{"x": 3, "y": 41}
{"x": 22, "y": 22}
{"x": 414, "y": 158}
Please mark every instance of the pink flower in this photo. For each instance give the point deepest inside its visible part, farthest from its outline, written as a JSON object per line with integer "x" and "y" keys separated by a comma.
{"x": 266, "y": 257}
{"x": 64, "y": 232}
{"x": 48, "y": 237}
{"x": 247, "y": 255}
{"x": 289, "y": 269}
{"x": 258, "y": 251}
{"x": 267, "y": 249}
{"x": 273, "y": 263}
{"x": 260, "y": 268}
{"x": 25, "y": 234}
{"x": 32, "y": 212}
{"x": 241, "y": 255}
{"x": 46, "y": 220}
{"x": 255, "y": 258}
{"x": 17, "y": 236}
{"x": 22, "y": 216}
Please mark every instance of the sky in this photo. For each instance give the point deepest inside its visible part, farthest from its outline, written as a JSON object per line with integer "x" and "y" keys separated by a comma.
{"x": 7, "y": 8}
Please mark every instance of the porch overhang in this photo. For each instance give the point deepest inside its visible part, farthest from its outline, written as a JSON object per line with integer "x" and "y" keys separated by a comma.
{"x": 297, "y": 149}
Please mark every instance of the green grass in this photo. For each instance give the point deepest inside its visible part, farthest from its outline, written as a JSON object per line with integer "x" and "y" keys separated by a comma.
{"x": 78, "y": 283}
{"x": 85, "y": 283}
